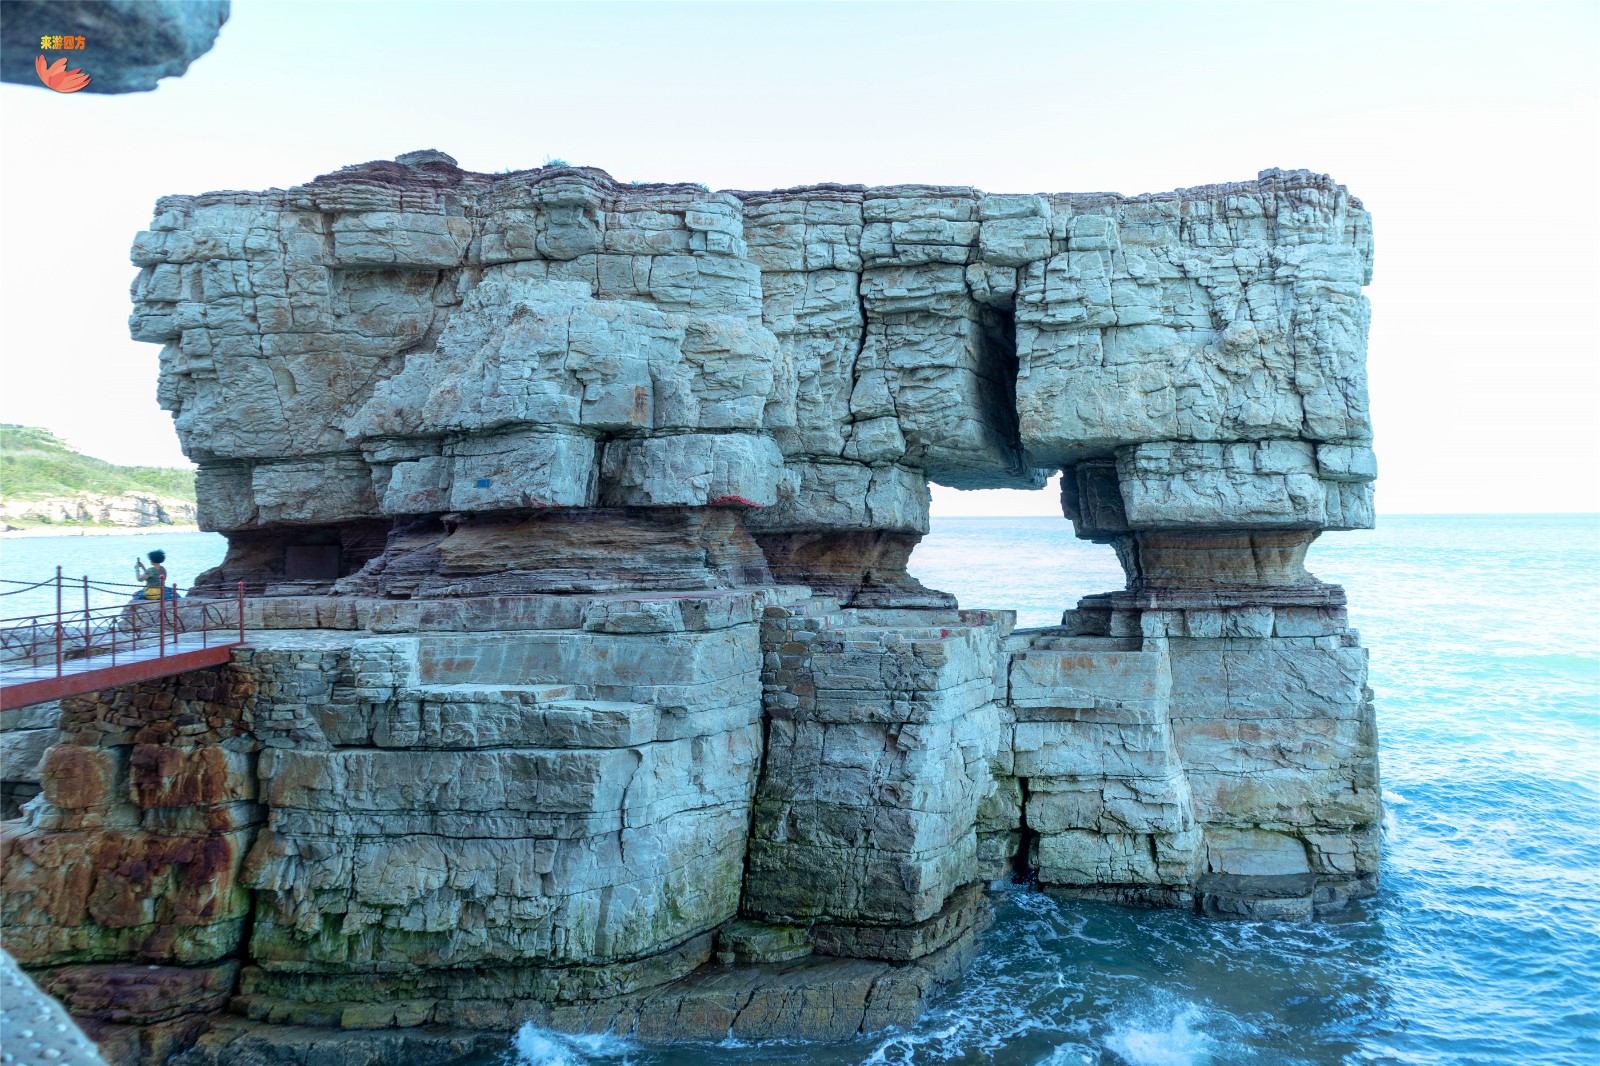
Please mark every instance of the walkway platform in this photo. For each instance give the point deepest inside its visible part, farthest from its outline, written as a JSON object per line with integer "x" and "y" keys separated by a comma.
{"x": 36, "y": 684}
{"x": 74, "y": 650}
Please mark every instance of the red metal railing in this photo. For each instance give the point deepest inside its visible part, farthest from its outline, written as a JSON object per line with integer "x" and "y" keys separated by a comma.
{"x": 131, "y": 629}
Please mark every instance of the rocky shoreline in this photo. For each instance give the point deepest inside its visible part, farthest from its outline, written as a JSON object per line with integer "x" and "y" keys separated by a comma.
{"x": 121, "y": 509}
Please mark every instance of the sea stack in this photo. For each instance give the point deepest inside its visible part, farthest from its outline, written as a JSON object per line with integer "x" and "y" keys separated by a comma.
{"x": 585, "y": 681}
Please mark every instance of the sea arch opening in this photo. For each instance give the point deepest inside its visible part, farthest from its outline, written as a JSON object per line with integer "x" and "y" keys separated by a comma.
{"x": 1011, "y": 549}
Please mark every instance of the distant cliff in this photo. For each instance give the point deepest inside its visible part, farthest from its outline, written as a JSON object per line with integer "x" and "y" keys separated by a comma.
{"x": 44, "y": 481}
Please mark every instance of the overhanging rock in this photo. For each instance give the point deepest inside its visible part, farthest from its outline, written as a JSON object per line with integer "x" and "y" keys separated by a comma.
{"x": 128, "y": 45}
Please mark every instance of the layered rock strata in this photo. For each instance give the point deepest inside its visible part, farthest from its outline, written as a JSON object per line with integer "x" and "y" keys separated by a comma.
{"x": 587, "y": 684}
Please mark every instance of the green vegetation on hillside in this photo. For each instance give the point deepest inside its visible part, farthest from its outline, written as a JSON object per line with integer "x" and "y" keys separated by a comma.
{"x": 36, "y": 464}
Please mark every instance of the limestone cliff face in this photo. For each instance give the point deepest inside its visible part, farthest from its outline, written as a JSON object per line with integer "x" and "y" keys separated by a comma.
{"x": 587, "y": 683}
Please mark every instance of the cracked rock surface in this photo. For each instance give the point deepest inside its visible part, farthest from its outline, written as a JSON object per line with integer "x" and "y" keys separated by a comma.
{"x": 586, "y": 682}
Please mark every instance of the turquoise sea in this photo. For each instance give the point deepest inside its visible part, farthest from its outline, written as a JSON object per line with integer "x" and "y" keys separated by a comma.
{"x": 1483, "y": 945}
{"x": 102, "y": 559}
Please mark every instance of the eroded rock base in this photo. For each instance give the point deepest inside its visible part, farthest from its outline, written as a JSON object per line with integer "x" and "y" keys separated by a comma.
{"x": 813, "y": 998}
{"x": 809, "y": 997}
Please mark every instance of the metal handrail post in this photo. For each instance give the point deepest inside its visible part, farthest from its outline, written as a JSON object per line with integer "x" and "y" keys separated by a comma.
{"x": 130, "y": 615}
{"x": 241, "y": 612}
{"x": 58, "y": 621}
{"x": 161, "y": 623}
{"x": 88, "y": 622}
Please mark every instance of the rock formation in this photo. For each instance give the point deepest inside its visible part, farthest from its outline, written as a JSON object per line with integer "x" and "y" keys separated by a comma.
{"x": 586, "y": 682}
{"x": 129, "y": 45}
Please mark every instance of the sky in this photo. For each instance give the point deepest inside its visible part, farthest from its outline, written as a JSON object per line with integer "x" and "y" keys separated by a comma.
{"x": 1471, "y": 132}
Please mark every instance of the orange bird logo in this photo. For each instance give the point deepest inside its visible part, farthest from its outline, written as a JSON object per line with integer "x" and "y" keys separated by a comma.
{"x": 56, "y": 76}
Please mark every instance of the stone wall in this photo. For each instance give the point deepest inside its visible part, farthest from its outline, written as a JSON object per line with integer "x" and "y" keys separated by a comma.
{"x": 586, "y": 683}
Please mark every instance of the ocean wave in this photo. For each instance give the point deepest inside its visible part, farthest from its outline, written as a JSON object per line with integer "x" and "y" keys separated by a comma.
{"x": 1163, "y": 1036}
{"x": 533, "y": 1046}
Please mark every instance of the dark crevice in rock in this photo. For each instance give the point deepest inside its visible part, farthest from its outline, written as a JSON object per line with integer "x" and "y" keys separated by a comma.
{"x": 757, "y": 779}
{"x": 998, "y": 367}
{"x": 1024, "y": 869}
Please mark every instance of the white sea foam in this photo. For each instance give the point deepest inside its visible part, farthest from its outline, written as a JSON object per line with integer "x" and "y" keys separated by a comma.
{"x": 534, "y": 1046}
{"x": 1065, "y": 1055}
{"x": 907, "y": 1046}
{"x": 1163, "y": 1038}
